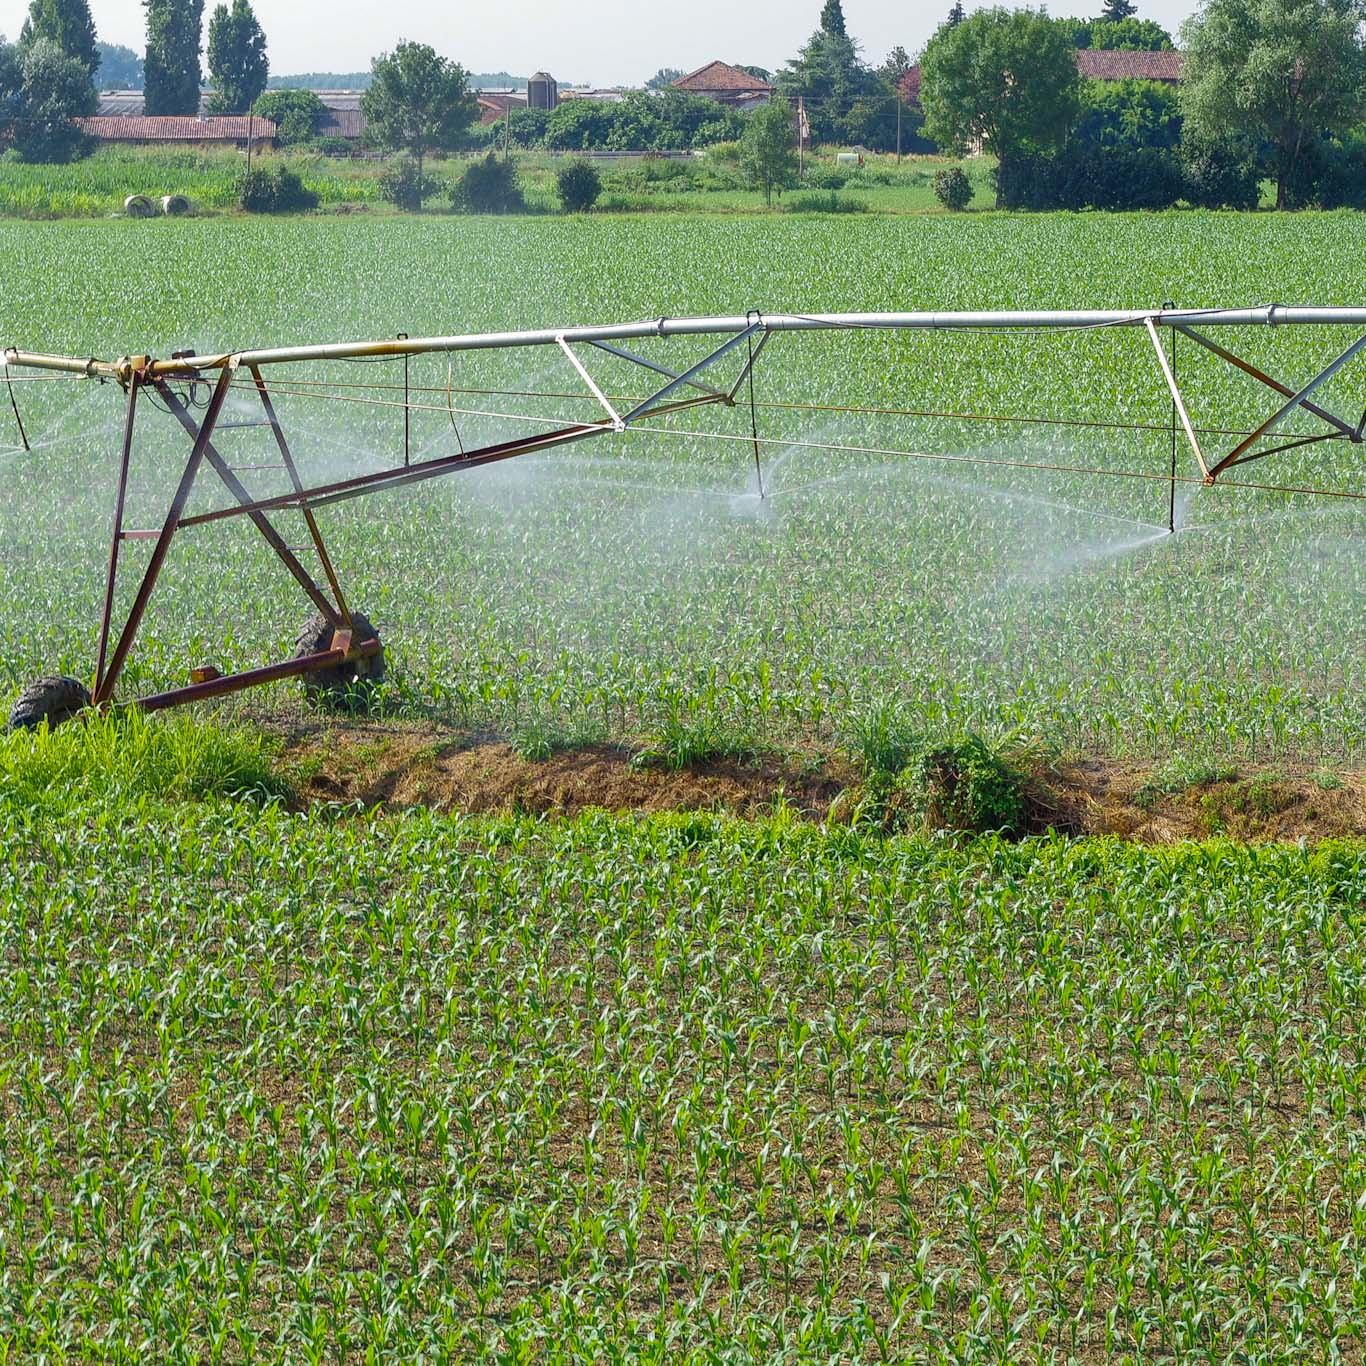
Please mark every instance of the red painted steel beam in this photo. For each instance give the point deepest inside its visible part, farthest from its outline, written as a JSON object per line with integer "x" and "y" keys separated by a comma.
{"x": 271, "y": 673}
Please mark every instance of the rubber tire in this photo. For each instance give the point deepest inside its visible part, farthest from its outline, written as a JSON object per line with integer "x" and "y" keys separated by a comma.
{"x": 53, "y": 699}
{"x": 338, "y": 685}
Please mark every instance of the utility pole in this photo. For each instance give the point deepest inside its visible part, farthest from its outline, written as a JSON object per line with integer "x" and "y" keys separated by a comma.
{"x": 898, "y": 129}
{"x": 507, "y": 131}
{"x": 250, "y": 124}
{"x": 801, "y": 137}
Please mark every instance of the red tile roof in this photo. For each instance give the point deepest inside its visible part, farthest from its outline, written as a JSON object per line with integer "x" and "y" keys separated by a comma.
{"x": 496, "y": 106}
{"x": 720, "y": 77}
{"x": 1104, "y": 65}
{"x": 144, "y": 128}
{"x": 1098, "y": 64}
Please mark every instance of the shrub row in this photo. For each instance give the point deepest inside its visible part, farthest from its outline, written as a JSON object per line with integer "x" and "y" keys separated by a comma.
{"x": 1130, "y": 178}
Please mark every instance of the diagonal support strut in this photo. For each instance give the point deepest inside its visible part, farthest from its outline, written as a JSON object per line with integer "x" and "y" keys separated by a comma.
{"x": 1176, "y": 397}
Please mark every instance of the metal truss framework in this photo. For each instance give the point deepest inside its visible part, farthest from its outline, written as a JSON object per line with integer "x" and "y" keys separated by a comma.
{"x": 322, "y": 585}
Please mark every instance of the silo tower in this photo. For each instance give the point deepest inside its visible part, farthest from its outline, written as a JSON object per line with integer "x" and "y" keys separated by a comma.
{"x": 542, "y": 92}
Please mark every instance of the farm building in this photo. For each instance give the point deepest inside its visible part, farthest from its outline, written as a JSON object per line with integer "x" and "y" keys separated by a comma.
{"x": 543, "y": 91}
{"x": 496, "y": 105}
{"x": 1102, "y": 64}
{"x": 140, "y": 128}
{"x": 343, "y": 118}
{"x": 726, "y": 84}
{"x": 614, "y": 95}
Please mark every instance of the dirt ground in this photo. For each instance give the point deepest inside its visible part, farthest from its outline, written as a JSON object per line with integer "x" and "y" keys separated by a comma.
{"x": 396, "y": 765}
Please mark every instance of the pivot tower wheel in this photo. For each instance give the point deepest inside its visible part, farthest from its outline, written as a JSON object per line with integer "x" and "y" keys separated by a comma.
{"x": 54, "y": 699}
{"x": 344, "y": 683}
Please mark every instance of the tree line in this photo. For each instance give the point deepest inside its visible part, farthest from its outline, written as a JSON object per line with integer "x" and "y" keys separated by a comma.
{"x": 47, "y": 77}
{"x": 1269, "y": 88}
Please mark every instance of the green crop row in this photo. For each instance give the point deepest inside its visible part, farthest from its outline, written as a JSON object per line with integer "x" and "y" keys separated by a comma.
{"x": 294, "y": 1088}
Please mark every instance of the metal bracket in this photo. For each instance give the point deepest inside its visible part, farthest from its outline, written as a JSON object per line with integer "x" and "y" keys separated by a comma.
{"x": 1239, "y": 454}
{"x": 624, "y": 354}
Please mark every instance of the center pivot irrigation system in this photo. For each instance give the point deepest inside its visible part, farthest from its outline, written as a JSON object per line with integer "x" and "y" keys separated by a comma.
{"x": 339, "y": 647}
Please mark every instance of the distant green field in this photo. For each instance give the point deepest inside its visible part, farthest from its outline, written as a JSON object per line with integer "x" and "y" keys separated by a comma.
{"x": 97, "y": 187}
{"x": 603, "y": 590}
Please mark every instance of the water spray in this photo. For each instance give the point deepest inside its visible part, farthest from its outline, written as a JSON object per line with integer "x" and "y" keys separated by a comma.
{"x": 195, "y": 390}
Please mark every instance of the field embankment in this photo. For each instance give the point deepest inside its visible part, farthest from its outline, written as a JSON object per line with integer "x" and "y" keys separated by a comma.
{"x": 397, "y": 767}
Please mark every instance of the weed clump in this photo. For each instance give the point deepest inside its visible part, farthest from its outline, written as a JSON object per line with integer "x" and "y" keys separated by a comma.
{"x": 277, "y": 190}
{"x": 963, "y": 782}
{"x": 489, "y": 185}
{"x": 126, "y": 758}
{"x": 578, "y": 186}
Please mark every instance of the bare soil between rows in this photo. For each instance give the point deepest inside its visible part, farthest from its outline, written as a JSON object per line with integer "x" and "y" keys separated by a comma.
{"x": 398, "y": 766}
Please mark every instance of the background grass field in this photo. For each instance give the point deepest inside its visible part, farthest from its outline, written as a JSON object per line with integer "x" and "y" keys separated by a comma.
{"x": 98, "y": 186}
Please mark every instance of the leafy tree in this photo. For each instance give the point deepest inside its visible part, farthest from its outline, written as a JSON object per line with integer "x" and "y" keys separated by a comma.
{"x": 54, "y": 91}
{"x": 956, "y": 15}
{"x": 832, "y": 19}
{"x": 664, "y": 78}
{"x": 829, "y": 78}
{"x": 893, "y": 70}
{"x": 581, "y": 125}
{"x": 1276, "y": 72}
{"x": 66, "y": 23}
{"x": 1112, "y": 11}
{"x": 171, "y": 74}
{"x": 1128, "y": 114}
{"x": 237, "y": 58}
{"x": 418, "y": 102}
{"x": 1123, "y": 35}
{"x": 1220, "y": 175}
{"x": 120, "y": 67}
{"x": 769, "y": 148}
{"x": 578, "y": 186}
{"x": 761, "y": 73}
{"x": 11, "y": 88}
{"x": 295, "y": 114}
{"x": 1005, "y": 78}
{"x": 1079, "y": 31}
{"x": 666, "y": 121}
{"x": 1129, "y": 35}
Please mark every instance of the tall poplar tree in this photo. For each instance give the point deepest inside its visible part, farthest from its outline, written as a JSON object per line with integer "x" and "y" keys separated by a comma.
{"x": 237, "y": 58}
{"x": 68, "y": 24}
{"x": 171, "y": 74}
{"x": 832, "y": 19}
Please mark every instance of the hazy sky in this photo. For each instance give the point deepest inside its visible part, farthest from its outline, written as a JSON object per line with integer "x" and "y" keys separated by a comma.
{"x": 604, "y": 42}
